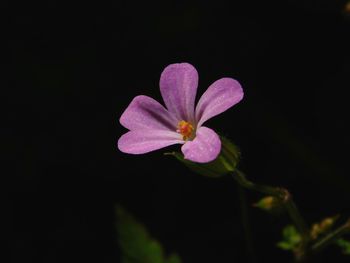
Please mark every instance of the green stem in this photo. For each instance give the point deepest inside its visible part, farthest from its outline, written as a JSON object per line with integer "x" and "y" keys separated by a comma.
{"x": 285, "y": 197}
{"x": 246, "y": 224}
{"x": 331, "y": 237}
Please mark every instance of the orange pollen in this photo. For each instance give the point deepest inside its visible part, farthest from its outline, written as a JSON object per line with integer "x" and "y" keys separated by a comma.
{"x": 185, "y": 129}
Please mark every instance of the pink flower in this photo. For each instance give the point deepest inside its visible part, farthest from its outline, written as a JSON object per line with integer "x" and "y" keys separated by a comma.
{"x": 151, "y": 126}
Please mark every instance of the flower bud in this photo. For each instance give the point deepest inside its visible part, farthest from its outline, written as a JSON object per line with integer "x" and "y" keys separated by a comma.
{"x": 268, "y": 203}
{"x": 323, "y": 226}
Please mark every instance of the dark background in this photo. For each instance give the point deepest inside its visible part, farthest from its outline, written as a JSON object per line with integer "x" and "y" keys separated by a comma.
{"x": 75, "y": 67}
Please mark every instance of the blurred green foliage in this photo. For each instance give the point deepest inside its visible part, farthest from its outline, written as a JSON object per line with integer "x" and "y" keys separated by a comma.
{"x": 291, "y": 238}
{"x": 136, "y": 244}
{"x": 345, "y": 245}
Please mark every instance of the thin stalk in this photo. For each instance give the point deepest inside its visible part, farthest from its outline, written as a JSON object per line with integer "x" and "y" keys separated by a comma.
{"x": 331, "y": 237}
{"x": 286, "y": 199}
{"x": 246, "y": 224}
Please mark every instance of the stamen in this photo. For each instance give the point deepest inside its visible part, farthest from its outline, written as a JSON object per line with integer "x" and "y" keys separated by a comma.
{"x": 185, "y": 129}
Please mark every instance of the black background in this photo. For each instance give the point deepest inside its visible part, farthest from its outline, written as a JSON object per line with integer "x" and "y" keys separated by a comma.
{"x": 75, "y": 67}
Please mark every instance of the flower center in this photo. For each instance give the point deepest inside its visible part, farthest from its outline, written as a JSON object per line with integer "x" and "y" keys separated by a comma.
{"x": 185, "y": 129}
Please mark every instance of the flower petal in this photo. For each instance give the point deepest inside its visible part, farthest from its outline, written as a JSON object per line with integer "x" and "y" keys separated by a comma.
{"x": 138, "y": 142}
{"x": 204, "y": 148}
{"x": 146, "y": 113}
{"x": 220, "y": 96}
{"x": 178, "y": 86}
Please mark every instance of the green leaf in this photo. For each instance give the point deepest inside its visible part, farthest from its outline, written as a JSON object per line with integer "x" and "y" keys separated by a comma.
{"x": 136, "y": 244}
{"x": 291, "y": 238}
{"x": 345, "y": 245}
